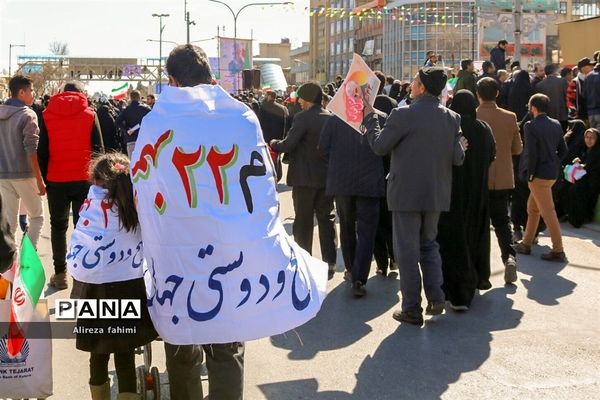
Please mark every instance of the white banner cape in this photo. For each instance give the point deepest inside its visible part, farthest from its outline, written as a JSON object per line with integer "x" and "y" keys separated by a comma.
{"x": 100, "y": 251}
{"x": 221, "y": 267}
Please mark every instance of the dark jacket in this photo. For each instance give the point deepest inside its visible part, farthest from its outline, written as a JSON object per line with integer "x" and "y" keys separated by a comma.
{"x": 581, "y": 103}
{"x": 556, "y": 89}
{"x": 130, "y": 117}
{"x": 7, "y": 243}
{"x": 106, "y": 117}
{"x": 466, "y": 80}
{"x": 272, "y": 117}
{"x": 591, "y": 92}
{"x": 498, "y": 58}
{"x": 353, "y": 168}
{"x": 423, "y": 139}
{"x": 544, "y": 149}
{"x": 306, "y": 166}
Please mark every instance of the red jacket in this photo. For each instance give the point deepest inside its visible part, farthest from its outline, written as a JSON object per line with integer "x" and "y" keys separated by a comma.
{"x": 69, "y": 122}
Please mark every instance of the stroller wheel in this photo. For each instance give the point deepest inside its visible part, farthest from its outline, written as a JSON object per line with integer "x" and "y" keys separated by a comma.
{"x": 141, "y": 373}
{"x": 155, "y": 382}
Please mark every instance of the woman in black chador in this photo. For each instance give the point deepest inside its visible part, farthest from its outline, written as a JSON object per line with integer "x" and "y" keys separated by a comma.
{"x": 583, "y": 194}
{"x": 464, "y": 231}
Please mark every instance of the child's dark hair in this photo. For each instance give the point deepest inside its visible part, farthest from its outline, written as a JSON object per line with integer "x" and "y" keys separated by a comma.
{"x": 111, "y": 171}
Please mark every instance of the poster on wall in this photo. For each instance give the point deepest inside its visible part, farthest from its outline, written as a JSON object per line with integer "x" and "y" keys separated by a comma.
{"x": 235, "y": 56}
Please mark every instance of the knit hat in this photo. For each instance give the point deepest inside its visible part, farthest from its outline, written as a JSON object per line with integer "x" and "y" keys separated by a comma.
{"x": 311, "y": 92}
{"x": 434, "y": 79}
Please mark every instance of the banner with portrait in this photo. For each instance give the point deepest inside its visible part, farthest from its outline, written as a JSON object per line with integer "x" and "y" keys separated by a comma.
{"x": 235, "y": 55}
{"x": 360, "y": 83}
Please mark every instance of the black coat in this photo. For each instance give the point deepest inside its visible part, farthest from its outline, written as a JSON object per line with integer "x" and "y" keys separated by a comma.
{"x": 307, "y": 167}
{"x": 273, "y": 118}
{"x": 130, "y": 117}
{"x": 108, "y": 128}
{"x": 354, "y": 170}
{"x": 464, "y": 231}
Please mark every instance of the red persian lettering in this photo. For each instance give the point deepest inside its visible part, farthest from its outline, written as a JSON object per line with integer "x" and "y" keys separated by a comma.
{"x": 149, "y": 155}
{"x": 185, "y": 163}
{"x": 219, "y": 163}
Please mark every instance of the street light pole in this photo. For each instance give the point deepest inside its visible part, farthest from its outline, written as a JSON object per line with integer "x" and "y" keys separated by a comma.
{"x": 235, "y": 17}
{"x": 186, "y": 15}
{"x": 10, "y": 46}
{"x": 162, "y": 27}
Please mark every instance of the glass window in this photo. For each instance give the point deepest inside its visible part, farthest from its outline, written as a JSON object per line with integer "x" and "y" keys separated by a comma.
{"x": 562, "y": 7}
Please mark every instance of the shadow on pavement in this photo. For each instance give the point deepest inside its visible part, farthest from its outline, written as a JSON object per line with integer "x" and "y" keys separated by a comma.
{"x": 545, "y": 286}
{"x": 415, "y": 363}
{"x": 342, "y": 320}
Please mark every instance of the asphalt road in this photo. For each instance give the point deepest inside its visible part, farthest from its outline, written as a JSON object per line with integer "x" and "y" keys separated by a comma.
{"x": 538, "y": 339}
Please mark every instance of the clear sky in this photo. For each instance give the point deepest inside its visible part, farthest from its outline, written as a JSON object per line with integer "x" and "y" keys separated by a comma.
{"x": 119, "y": 28}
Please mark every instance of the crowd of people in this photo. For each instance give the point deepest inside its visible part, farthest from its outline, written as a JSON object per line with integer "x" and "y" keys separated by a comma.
{"x": 417, "y": 191}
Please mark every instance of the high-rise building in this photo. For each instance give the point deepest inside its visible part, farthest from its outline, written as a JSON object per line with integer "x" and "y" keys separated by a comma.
{"x": 412, "y": 28}
{"x": 319, "y": 31}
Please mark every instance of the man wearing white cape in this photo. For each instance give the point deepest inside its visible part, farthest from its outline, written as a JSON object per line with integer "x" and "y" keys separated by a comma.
{"x": 221, "y": 268}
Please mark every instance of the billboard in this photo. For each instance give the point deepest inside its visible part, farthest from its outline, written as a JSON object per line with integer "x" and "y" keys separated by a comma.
{"x": 235, "y": 55}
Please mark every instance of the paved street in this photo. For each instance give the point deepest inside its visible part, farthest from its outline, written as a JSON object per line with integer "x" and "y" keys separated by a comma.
{"x": 539, "y": 339}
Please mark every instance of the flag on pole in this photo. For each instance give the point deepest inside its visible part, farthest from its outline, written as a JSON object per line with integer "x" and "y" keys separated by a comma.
{"x": 120, "y": 92}
{"x": 28, "y": 285}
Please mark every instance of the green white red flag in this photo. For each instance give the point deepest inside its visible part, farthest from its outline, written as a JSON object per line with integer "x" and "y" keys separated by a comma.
{"x": 120, "y": 92}
{"x": 27, "y": 289}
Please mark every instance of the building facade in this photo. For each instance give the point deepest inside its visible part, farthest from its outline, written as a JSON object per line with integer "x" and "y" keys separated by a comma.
{"x": 277, "y": 50}
{"x": 300, "y": 61}
{"x": 414, "y": 28}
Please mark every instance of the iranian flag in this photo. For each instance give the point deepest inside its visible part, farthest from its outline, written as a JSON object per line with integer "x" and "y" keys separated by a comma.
{"x": 28, "y": 285}
{"x": 120, "y": 92}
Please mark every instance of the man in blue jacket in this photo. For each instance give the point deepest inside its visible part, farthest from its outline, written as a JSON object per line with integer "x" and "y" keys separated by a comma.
{"x": 540, "y": 163}
{"x": 131, "y": 119}
{"x": 498, "y": 55}
{"x": 355, "y": 179}
{"x": 591, "y": 93}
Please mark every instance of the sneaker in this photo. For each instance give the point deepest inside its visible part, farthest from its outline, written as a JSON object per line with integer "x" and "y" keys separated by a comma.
{"x": 459, "y": 308}
{"x": 358, "y": 289}
{"x": 394, "y": 266}
{"x": 522, "y": 248}
{"x": 382, "y": 271}
{"x": 510, "y": 270}
{"x": 558, "y": 256}
{"x": 59, "y": 281}
{"x": 484, "y": 285}
{"x": 435, "y": 308}
{"x": 409, "y": 317}
{"x": 331, "y": 268}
